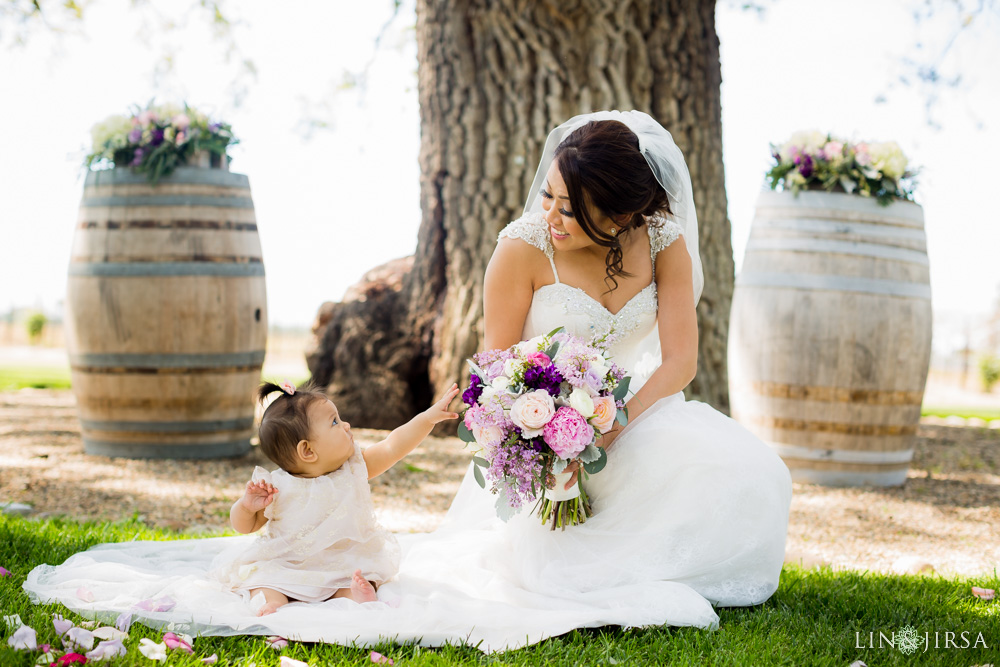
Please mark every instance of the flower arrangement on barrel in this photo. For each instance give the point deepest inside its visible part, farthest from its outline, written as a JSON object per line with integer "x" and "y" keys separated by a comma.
{"x": 535, "y": 409}
{"x": 157, "y": 139}
{"x": 814, "y": 160}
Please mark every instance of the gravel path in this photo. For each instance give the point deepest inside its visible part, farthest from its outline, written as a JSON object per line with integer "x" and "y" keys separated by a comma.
{"x": 946, "y": 516}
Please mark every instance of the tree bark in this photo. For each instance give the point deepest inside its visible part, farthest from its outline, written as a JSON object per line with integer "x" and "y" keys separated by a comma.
{"x": 494, "y": 77}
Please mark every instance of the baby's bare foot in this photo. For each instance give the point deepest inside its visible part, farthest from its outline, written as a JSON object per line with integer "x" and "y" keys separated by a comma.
{"x": 361, "y": 589}
{"x": 270, "y": 608}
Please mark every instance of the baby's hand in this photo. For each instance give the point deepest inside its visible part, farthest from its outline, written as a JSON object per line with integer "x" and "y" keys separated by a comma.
{"x": 439, "y": 411}
{"x": 257, "y": 496}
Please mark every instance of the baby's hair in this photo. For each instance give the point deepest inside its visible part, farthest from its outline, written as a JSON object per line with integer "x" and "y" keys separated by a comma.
{"x": 285, "y": 422}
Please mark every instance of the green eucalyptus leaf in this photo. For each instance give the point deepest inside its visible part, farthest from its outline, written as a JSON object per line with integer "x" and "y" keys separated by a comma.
{"x": 622, "y": 389}
{"x": 597, "y": 466}
{"x": 464, "y": 434}
{"x": 478, "y": 474}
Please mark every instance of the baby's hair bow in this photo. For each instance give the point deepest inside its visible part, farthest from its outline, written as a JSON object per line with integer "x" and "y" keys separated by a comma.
{"x": 288, "y": 388}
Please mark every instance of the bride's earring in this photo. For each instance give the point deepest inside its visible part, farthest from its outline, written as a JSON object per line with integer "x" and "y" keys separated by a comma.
{"x": 613, "y": 231}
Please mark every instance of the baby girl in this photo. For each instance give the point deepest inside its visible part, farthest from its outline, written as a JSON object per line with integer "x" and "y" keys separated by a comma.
{"x": 320, "y": 539}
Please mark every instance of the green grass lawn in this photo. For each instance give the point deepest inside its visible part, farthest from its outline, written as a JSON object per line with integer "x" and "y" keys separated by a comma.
{"x": 47, "y": 377}
{"x": 812, "y": 620}
{"x": 985, "y": 413}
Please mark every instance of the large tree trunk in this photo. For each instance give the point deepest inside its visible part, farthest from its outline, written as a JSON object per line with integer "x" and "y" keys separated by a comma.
{"x": 494, "y": 77}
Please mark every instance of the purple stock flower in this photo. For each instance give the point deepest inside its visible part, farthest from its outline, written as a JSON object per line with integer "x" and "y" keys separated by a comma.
{"x": 547, "y": 378}
{"x": 135, "y": 135}
{"x": 157, "y": 137}
{"x": 475, "y": 390}
{"x": 805, "y": 165}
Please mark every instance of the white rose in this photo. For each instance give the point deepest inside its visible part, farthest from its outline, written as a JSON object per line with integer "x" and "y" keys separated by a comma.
{"x": 512, "y": 367}
{"x": 581, "y": 401}
{"x": 500, "y": 383}
{"x": 532, "y": 411}
{"x": 531, "y": 345}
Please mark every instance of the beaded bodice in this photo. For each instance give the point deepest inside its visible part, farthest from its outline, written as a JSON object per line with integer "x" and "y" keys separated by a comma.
{"x": 631, "y": 334}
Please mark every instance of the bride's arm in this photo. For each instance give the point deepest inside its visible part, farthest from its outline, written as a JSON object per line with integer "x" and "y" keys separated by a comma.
{"x": 678, "y": 328}
{"x": 507, "y": 291}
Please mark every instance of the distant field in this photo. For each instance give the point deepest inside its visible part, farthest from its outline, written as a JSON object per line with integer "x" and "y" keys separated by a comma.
{"x": 984, "y": 413}
{"x": 47, "y": 377}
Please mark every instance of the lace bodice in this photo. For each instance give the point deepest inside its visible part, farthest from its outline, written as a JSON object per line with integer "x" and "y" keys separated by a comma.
{"x": 631, "y": 334}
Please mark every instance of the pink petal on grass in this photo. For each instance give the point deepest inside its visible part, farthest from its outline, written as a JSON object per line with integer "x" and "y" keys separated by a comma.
{"x": 79, "y": 638}
{"x": 210, "y": 660}
{"x": 71, "y": 659}
{"x": 124, "y": 621}
{"x": 106, "y": 650}
{"x": 277, "y": 642}
{"x": 4, "y": 572}
{"x": 285, "y": 661}
{"x": 61, "y": 625}
{"x": 85, "y": 594}
{"x": 378, "y": 658}
{"x": 176, "y": 641}
{"x": 108, "y": 633}
{"x": 983, "y": 593}
{"x": 23, "y": 639}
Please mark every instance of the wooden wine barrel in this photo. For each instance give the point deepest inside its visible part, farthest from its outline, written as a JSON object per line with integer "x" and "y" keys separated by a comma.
{"x": 830, "y": 335}
{"x": 166, "y": 314}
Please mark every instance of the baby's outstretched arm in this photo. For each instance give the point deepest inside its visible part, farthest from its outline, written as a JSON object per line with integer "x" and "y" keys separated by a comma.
{"x": 403, "y": 440}
{"x": 247, "y": 514}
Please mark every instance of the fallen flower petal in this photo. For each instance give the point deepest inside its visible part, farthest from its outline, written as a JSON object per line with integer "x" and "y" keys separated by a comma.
{"x": 210, "y": 660}
{"x": 983, "y": 593}
{"x": 124, "y": 621}
{"x": 110, "y": 634}
{"x": 152, "y": 650}
{"x": 13, "y": 621}
{"x": 277, "y": 642}
{"x": 4, "y": 572}
{"x": 90, "y": 625}
{"x": 23, "y": 639}
{"x": 177, "y": 641}
{"x": 79, "y": 638}
{"x": 85, "y": 594}
{"x": 380, "y": 659}
{"x": 285, "y": 661}
{"x": 166, "y": 603}
{"x": 61, "y": 625}
{"x": 71, "y": 659}
{"x": 106, "y": 650}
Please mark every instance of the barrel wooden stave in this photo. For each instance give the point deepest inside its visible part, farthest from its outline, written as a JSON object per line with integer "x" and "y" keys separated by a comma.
{"x": 832, "y": 377}
{"x": 167, "y": 318}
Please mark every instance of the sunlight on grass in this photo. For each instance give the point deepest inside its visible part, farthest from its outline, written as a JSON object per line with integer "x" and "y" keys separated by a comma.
{"x": 984, "y": 413}
{"x": 40, "y": 377}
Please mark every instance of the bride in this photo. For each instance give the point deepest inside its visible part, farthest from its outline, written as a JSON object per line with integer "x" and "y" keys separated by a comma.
{"x": 690, "y": 512}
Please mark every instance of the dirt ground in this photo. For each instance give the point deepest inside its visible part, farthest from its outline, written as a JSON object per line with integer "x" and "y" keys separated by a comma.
{"x": 946, "y": 516}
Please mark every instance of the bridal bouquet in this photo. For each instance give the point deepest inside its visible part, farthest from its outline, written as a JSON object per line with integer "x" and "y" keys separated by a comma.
{"x": 534, "y": 409}
{"x": 817, "y": 160}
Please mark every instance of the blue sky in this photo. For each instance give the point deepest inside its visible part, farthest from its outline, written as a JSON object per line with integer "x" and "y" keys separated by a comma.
{"x": 320, "y": 199}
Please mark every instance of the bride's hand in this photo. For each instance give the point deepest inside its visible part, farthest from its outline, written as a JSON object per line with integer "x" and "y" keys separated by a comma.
{"x": 606, "y": 440}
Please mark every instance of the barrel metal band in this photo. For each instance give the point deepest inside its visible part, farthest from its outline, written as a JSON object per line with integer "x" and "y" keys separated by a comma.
{"x": 180, "y": 176}
{"x": 828, "y": 246}
{"x": 831, "y": 394}
{"x": 240, "y": 424}
{"x": 211, "y": 225}
{"x": 841, "y": 455}
{"x": 181, "y": 269}
{"x": 98, "y": 362}
{"x": 820, "y": 226}
{"x": 146, "y": 450}
{"x": 838, "y": 428}
{"x": 167, "y": 200}
{"x": 815, "y": 281}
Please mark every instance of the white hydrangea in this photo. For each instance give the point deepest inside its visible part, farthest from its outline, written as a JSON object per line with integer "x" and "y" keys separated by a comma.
{"x": 808, "y": 141}
{"x": 111, "y": 128}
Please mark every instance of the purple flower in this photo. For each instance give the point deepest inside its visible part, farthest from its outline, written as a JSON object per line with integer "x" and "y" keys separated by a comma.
{"x": 214, "y": 127}
{"x": 4, "y": 572}
{"x": 157, "y": 137}
{"x": 805, "y": 165}
{"x": 137, "y": 160}
{"x": 475, "y": 390}
{"x": 135, "y": 135}
{"x": 547, "y": 378}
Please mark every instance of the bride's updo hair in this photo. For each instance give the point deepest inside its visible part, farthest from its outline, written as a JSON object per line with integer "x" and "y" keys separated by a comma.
{"x": 603, "y": 168}
{"x": 285, "y": 422}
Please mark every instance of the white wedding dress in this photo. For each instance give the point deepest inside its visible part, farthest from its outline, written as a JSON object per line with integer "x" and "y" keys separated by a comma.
{"x": 690, "y": 513}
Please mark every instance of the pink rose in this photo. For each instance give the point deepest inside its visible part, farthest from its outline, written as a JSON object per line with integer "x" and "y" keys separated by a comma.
{"x": 538, "y": 359}
{"x": 181, "y": 121}
{"x": 532, "y": 411}
{"x": 605, "y": 411}
{"x": 833, "y": 150}
{"x": 568, "y": 433}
